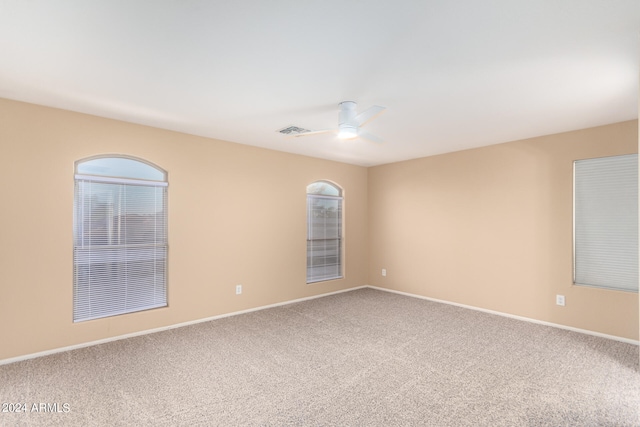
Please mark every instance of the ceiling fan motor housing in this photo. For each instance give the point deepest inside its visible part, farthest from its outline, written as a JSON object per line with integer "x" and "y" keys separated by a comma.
{"x": 347, "y": 128}
{"x": 347, "y": 112}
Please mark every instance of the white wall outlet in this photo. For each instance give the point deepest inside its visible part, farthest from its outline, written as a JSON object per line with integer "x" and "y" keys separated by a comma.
{"x": 384, "y": 271}
{"x": 560, "y": 300}
{"x": 238, "y": 289}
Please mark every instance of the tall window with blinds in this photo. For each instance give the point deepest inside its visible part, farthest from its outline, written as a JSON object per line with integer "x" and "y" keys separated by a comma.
{"x": 120, "y": 237}
{"x": 606, "y": 222}
{"x": 324, "y": 232}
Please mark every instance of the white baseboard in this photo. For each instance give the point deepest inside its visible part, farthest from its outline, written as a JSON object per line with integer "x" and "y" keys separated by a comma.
{"x": 264, "y": 307}
{"x": 165, "y": 328}
{"x": 513, "y": 316}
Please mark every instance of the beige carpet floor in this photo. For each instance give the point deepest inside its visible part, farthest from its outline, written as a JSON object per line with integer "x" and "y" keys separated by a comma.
{"x": 360, "y": 358}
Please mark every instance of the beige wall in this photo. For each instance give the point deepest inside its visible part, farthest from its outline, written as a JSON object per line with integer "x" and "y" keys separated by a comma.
{"x": 236, "y": 216}
{"x": 492, "y": 228}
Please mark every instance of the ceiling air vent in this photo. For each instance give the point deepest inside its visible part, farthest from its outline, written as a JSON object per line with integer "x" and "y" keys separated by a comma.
{"x": 293, "y": 130}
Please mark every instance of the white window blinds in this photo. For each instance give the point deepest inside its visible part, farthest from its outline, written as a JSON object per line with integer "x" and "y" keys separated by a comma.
{"x": 606, "y": 222}
{"x": 120, "y": 243}
{"x": 324, "y": 232}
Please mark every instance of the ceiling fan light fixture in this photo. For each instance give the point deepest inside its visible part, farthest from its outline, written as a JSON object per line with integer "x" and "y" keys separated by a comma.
{"x": 347, "y": 132}
{"x": 350, "y": 124}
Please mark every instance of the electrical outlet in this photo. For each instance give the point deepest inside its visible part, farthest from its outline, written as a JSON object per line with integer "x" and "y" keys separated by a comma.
{"x": 384, "y": 271}
{"x": 560, "y": 300}
{"x": 238, "y": 289}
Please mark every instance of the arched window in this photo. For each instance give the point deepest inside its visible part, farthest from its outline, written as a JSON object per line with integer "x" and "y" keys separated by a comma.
{"x": 119, "y": 237}
{"x": 324, "y": 232}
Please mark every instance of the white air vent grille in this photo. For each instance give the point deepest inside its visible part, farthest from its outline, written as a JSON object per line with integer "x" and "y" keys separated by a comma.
{"x": 293, "y": 130}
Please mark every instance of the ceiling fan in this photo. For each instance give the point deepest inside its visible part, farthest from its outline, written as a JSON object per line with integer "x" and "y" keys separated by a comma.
{"x": 350, "y": 123}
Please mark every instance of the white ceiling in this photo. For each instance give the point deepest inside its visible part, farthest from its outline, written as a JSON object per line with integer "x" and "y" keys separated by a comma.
{"x": 453, "y": 74}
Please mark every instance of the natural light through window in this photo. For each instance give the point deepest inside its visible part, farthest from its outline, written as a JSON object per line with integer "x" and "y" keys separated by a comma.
{"x": 324, "y": 232}
{"x": 120, "y": 237}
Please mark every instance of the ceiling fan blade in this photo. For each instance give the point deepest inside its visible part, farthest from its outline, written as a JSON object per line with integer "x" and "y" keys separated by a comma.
{"x": 315, "y": 132}
{"x": 369, "y": 114}
{"x": 370, "y": 137}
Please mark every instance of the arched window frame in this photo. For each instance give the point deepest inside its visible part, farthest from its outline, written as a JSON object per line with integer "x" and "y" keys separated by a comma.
{"x": 324, "y": 231}
{"x": 120, "y": 236}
